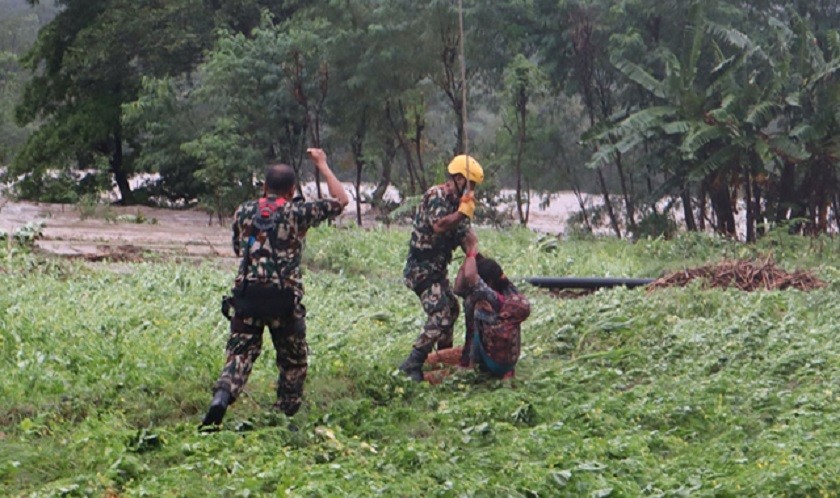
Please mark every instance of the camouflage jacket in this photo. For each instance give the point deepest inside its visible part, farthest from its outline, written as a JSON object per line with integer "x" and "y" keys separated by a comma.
{"x": 496, "y": 320}
{"x": 429, "y": 254}
{"x": 296, "y": 217}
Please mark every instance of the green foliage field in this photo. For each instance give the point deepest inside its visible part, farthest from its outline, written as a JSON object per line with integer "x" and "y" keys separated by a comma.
{"x": 106, "y": 372}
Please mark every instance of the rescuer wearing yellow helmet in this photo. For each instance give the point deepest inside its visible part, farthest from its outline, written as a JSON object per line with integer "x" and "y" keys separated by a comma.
{"x": 441, "y": 224}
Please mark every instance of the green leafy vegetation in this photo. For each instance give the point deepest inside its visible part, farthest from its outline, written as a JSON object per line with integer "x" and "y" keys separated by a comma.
{"x": 25, "y": 235}
{"x": 679, "y": 392}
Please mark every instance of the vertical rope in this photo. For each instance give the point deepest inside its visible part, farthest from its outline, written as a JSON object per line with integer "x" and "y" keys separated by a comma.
{"x": 463, "y": 89}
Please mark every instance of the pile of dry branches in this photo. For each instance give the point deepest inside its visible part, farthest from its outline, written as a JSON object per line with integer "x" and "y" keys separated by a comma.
{"x": 746, "y": 275}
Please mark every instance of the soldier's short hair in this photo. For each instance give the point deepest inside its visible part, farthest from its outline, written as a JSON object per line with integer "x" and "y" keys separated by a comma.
{"x": 280, "y": 178}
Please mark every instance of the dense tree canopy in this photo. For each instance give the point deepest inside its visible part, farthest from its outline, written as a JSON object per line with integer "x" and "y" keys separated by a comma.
{"x": 90, "y": 60}
{"x": 19, "y": 25}
{"x": 712, "y": 109}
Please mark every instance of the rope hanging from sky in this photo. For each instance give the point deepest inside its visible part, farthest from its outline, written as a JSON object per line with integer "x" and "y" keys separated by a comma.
{"x": 463, "y": 89}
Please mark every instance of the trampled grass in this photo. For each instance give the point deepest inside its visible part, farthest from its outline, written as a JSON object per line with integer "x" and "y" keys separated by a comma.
{"x": 106, "y": 371}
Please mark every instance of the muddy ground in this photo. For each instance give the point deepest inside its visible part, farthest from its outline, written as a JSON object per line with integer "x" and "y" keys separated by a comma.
{"x": 126, "y": 233}
{"x": 113, "y": 230}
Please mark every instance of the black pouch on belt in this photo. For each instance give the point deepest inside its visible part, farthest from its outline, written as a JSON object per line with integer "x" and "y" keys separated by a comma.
{"x": 263, "y": 301}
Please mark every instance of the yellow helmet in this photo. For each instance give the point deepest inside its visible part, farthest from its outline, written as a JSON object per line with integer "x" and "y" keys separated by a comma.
{"x": 458, "y": 165}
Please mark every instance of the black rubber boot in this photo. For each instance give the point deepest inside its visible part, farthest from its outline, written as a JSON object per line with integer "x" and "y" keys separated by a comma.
{"x": 413, "y": 365}
{"x": 218, "y": 407}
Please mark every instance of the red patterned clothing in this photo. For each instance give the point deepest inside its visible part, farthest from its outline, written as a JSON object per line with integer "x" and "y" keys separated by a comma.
{"x": 494, "y": 326}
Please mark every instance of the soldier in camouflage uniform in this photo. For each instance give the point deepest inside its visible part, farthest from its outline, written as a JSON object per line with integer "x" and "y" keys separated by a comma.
{"x": 269, "y": 234}
{"x": 494, "y": 310}
{"x": 442, "y": 223}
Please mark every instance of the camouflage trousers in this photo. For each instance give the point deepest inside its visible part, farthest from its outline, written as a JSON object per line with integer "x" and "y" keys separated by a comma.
{"x": 442, "y": 309}
{"x": 244, "y": 347}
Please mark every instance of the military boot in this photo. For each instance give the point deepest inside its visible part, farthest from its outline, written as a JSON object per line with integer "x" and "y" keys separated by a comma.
{"x": 288, "y": 406}
{"x": 218, "y": 407}
{"x": 413, "y": 365}
{"x": 444, "y": 344}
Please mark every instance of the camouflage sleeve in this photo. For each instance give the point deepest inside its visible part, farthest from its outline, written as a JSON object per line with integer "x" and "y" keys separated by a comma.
{"x": 437, "y": 207}
{"x": 462, "y": 230}
{"x": 312, "y": 213}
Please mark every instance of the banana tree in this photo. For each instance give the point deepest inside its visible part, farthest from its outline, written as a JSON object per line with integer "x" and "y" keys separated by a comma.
{"x": 714, "y": 123}
{"x": 681, "y": 85}
{"x": 813, "y": 185}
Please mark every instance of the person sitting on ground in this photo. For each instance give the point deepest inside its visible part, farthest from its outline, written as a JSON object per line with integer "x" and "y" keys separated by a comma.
{"x": 494, "y": 310}
{"x": 269, "y": 234}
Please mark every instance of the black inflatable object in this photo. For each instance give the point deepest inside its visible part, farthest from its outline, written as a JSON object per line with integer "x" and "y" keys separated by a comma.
{"x": 587, "y": 282}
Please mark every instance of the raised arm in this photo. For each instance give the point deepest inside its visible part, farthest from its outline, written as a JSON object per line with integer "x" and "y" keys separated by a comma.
{"x": 336, "y": 190}
{"x": 451, "y": 221}
{"x": 468, "y": 273}
{"x": 448, "y": 223}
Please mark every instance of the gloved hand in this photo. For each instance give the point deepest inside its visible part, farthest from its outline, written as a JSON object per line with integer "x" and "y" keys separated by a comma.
{"x": 467, "y": 206}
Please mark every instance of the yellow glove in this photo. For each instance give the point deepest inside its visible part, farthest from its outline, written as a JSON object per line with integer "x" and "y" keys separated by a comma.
{"x": 467, "y": 206}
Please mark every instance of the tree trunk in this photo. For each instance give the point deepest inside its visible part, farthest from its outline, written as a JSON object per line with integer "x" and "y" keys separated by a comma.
{"x": 357, "y": 144}
{"x": 120, "y": 176}
{"x": 419, "y": 126}
{"x": 585, "y": 50}
{"x": 688, "y": 211}
{"x": 576, "y": 188}
{"x": 313, "y": 124}
{"x": 582, "y": 205}
{"x": 390, "y": 151}
{"x": 528, "y": 204}
{"x": 759, "y": 216}
{"x": 628, "y": 198}
{"x": 409, "y": 164}
{"x": 450, "y": 83}
{"x": 823, "y": 196}
{"x": 787, "y": 192}
{"x": 316, "y": 142}
{"x": 749, "y": 233}
{"x": 792, "y": 199}
{"x": 399, "y": 134}
{"x": 518, "y": 194}
{"x": 836, "y": 207}
{"x": 812, "y": 202}
{"x": 649, "y": 181}
{"x": 604, "y": 191}
{"x": 460, "y": 132}
{"x": 722, "y": 206}
{"x": 522, "y": 116}
{"x": 608, "y": 203}
{"x": 822, "y": 222}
